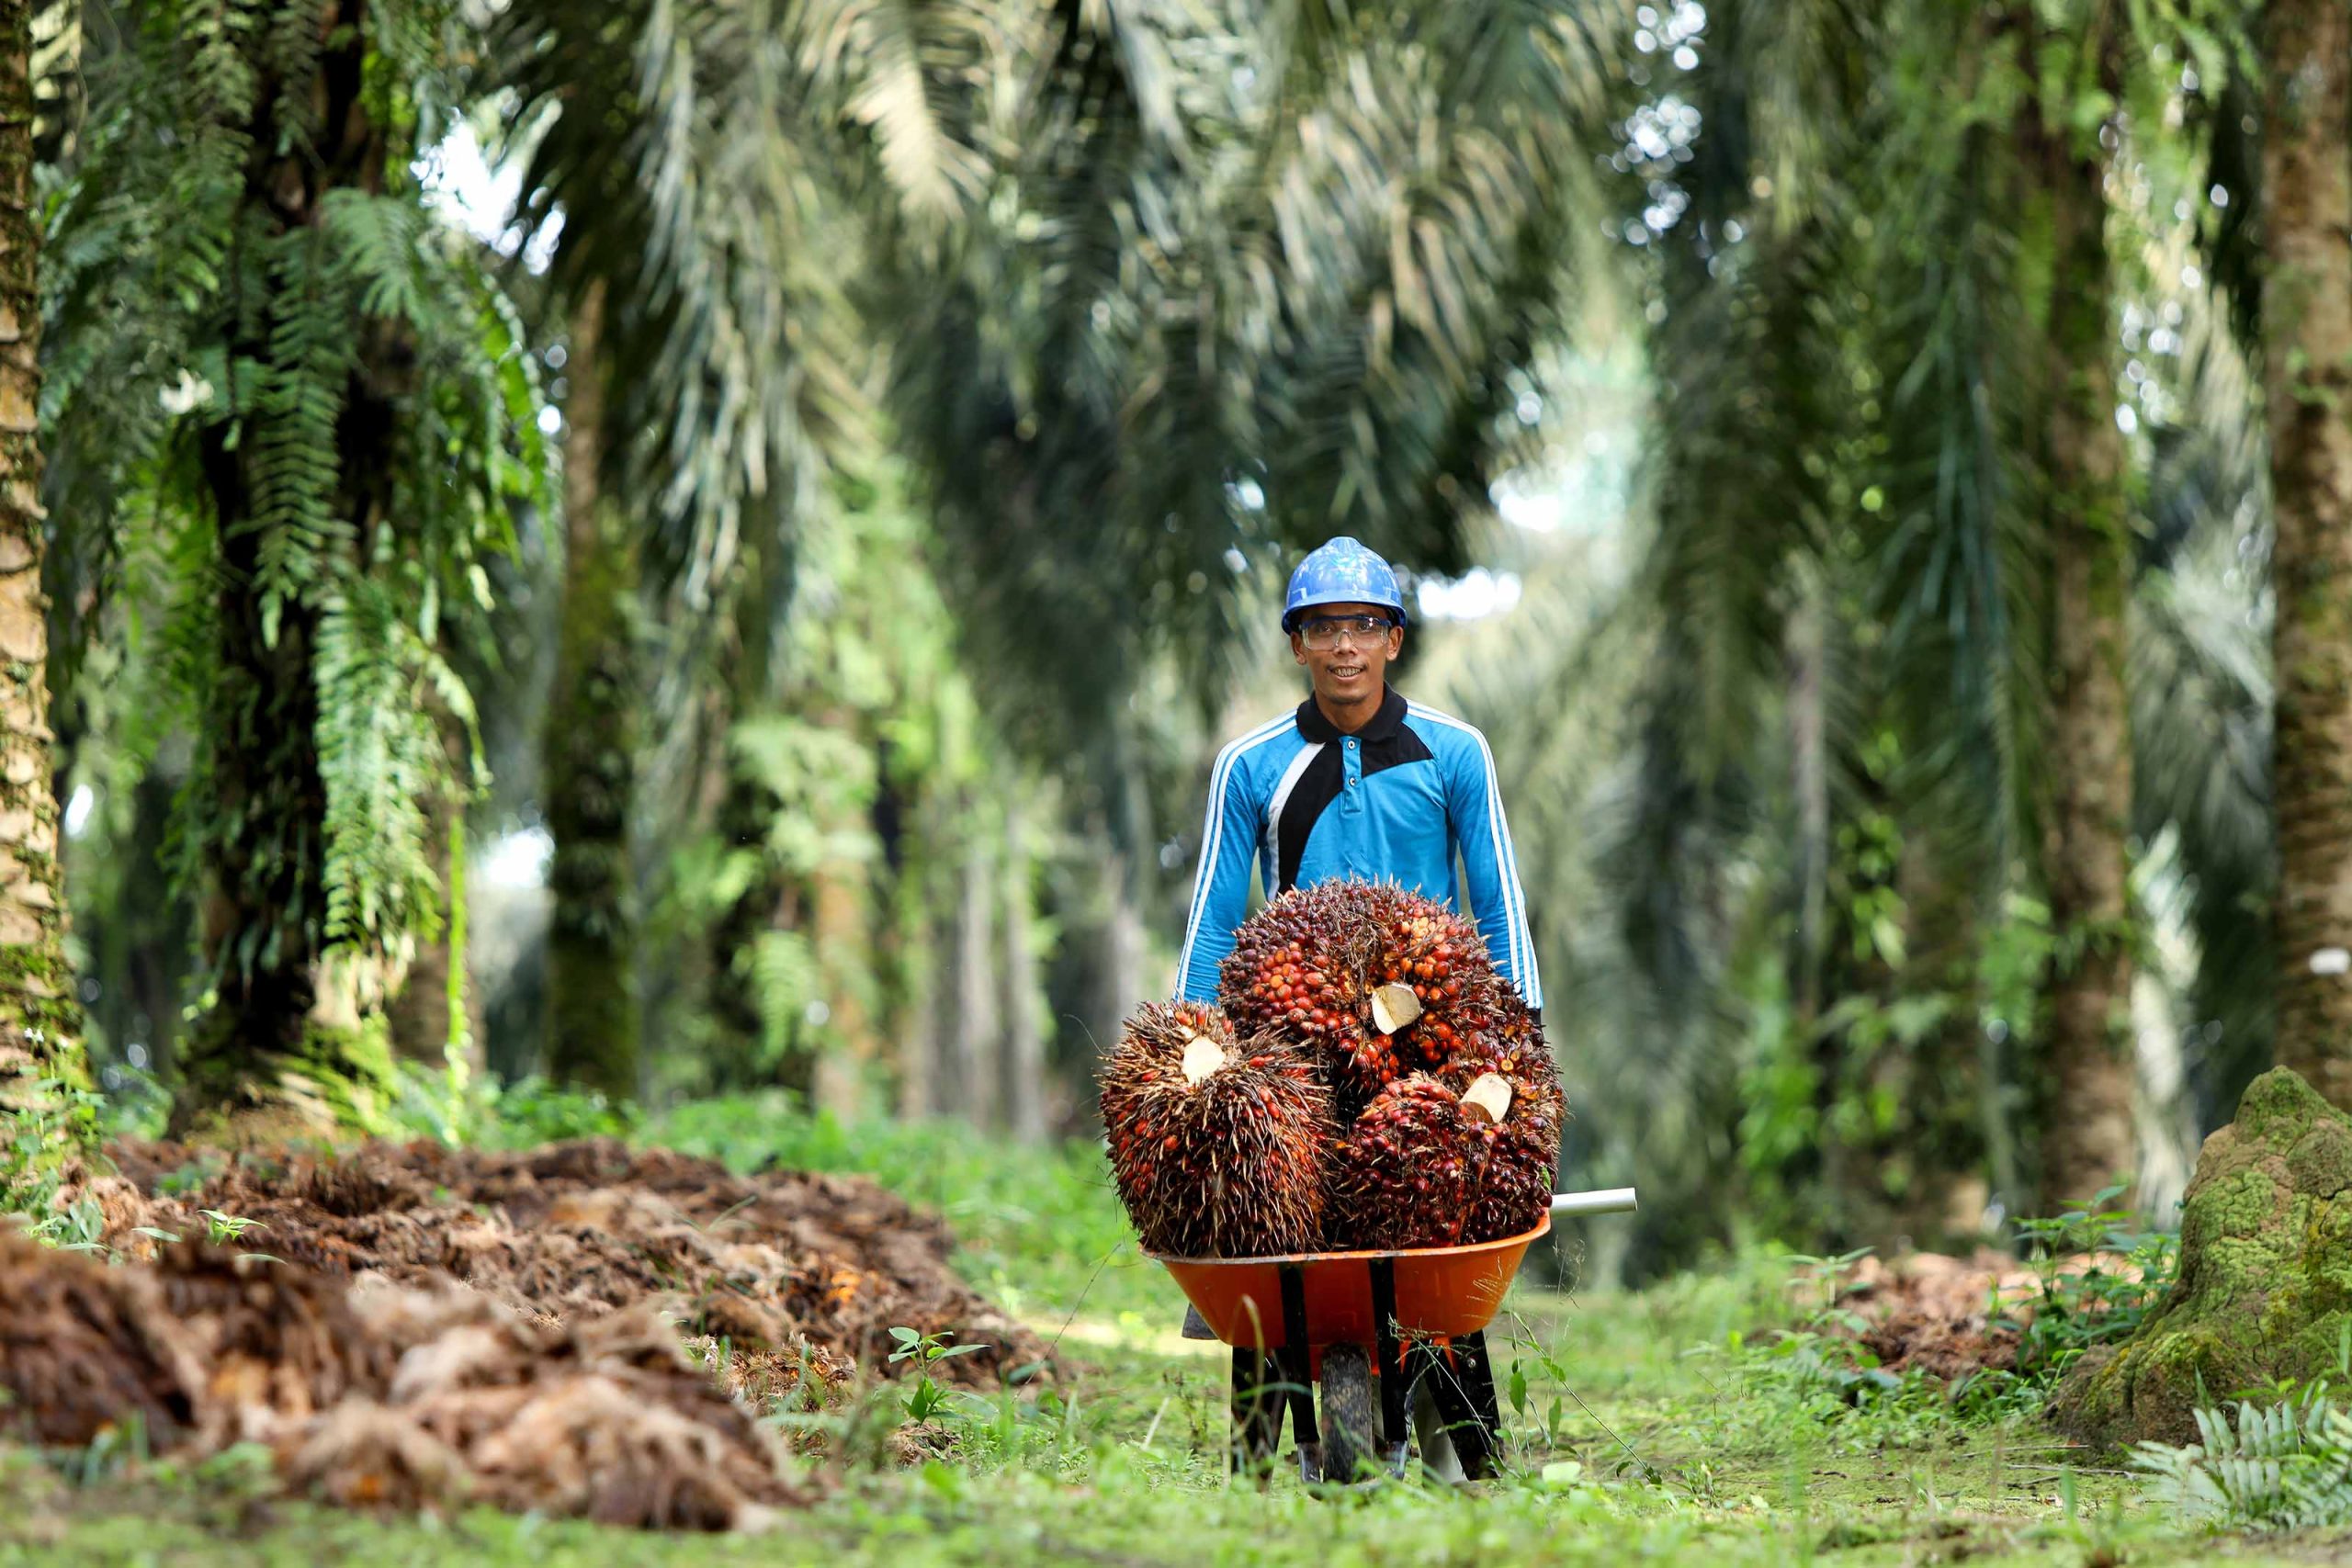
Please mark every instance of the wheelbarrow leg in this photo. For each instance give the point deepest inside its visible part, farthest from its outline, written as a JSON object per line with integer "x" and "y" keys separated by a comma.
{"x": 1388, "y": 1364}
{"x": 1461, "y": 1385}
{"x": 1257, "y": 1410}
{"x": 1298, "y": 1369}
{"x": 1478, "y": 1376}
{"x": 1348, "y": 1414}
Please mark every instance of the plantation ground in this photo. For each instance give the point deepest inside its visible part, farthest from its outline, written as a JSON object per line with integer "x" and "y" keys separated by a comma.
{"x": 1676, "y": 1425}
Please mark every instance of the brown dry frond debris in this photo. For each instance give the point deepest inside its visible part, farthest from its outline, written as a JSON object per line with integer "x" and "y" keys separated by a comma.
{"x": 382, "y": 1394}
{"x": 1934, "y": 1314}
{"x": 784, "y": 1260}
{"x": 431, "y": 1325}
{"x": 1950, "y": 1316}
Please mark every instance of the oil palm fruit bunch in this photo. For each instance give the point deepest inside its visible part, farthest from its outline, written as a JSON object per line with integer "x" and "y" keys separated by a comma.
{"x": 1401, "y": 1176}
{"x": 1381, "y": 980}
{"x": 1425, "y": 974}
{"x": 1501, "y": 1060}
{"x": 1514, "y": 1115}
{"x": 1502, "y": 1063}
{"x": 1218, "y": 1145}
{"x": 1295, "y": 969}
{"x": 1433, "y": 1163}
{"x": 1496, "y": 1032}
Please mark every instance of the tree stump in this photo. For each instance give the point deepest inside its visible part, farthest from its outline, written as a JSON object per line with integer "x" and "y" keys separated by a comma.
{"x": 2265, "y": 1290}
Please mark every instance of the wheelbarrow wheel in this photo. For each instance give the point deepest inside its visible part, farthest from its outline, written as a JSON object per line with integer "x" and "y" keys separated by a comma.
{"x": 1348, "y": 1428}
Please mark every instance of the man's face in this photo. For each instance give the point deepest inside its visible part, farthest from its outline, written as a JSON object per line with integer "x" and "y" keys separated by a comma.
{"x": 1350, "y": 666}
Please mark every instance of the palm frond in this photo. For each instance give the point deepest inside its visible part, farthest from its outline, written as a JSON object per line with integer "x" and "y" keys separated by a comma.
{"x": 2202, "y": 694}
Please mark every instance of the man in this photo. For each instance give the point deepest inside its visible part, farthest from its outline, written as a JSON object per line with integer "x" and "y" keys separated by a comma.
{"x": 1358, "y": 781}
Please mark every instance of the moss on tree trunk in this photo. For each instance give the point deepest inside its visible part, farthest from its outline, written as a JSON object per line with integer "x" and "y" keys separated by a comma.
{"x": 2265, "y": 1289}
{"x": 40, "y": 1022}
{"x": 2307, "y": 322}
{"x": 436, "y": 1015}
{"x": 323, "y": 1078}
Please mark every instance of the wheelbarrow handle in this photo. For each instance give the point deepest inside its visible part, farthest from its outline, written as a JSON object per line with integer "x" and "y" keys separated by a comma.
{"x": 1603, "y": 1201}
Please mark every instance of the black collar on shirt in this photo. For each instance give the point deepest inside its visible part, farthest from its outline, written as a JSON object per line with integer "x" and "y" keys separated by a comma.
{"x": 1383, "y": 725}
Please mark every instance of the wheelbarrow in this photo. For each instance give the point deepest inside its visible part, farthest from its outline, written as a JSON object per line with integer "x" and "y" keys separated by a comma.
{"x": 1388, "y": 1337}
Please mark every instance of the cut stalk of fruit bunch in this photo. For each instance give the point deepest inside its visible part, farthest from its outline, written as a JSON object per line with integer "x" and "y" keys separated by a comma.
{"x": 1517, "y": 1151}
{"x": 1429, "y": 963}
{"x": 1501, "y": 1060}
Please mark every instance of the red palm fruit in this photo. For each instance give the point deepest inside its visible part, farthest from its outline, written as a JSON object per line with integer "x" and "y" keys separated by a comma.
{"x": 1430, "y": 962}
{"x": 1289, "y": 971}
{"x": 1521, "y": 1153}
{"x": 1401, "y": 1176}
{"x": 1496, "y": 1032}
{"x": 1384, "y": 981}
{"x": 1218, "y": 1145}
{"x": 1433, "y": 1163}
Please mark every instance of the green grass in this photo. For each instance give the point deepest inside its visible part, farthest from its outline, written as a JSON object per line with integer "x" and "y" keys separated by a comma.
{"x": 1671, "y": 1427}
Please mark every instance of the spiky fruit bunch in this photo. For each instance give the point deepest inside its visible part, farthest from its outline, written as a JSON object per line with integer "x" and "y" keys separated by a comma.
{"x": 1384, "y": 981}
{"x": 1514, "y": 1154}
{"x": 1401, "y": 1176}
{"x": 1497, "y": 1033}
{"x": 1434, "y": 1162}
{"x": 1295, "y": 969}
{"x": 1417, "y": 945}
{"x": 1502, "y": 1038}
{"x": 1218, "y": 1145}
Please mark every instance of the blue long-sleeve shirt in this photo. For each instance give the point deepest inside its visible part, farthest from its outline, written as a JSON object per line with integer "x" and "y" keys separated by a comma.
{"x": 1398, "y": 801}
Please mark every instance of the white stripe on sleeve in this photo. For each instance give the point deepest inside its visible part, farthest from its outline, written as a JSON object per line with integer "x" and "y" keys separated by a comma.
{"x": 1213, "y": 831}
{"x": 1519, "y": 943}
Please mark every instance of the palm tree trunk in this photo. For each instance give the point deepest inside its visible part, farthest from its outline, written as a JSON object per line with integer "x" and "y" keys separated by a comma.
{"x": 590, "y": 756}
{"x": 975, "y": 1033}
{"x": 840, "y": 901}
{"x": 436, "y": 1015}
{"x": 1806, "y": 653}
{"x": 1024, "y": 1034}
{"x": 295, "y": 1042}
{"x": 2086, "y": 785}
{"x": 1120, "y": 983}
{"x": 2307, "y": 325}
{"x": 1120, "y": 839}
{"x": 917, "y": 1032}
{"x": 41, "y": 1025}
{"x": 735, "y": 1053}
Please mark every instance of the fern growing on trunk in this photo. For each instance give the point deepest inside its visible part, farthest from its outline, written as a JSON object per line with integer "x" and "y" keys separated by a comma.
{"x": 313, "y": 396}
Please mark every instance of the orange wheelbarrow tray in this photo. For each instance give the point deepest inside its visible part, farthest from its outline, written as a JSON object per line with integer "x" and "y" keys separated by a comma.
{"x": 1409, "y": 1325}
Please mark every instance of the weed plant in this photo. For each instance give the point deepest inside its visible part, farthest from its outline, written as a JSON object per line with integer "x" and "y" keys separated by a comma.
{"x": 2128, "y": 1267}
{"x": 31, "y": 1168}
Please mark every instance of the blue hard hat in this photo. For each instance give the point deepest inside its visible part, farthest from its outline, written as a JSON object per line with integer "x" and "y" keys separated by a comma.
{"x": 1341, "y": 571}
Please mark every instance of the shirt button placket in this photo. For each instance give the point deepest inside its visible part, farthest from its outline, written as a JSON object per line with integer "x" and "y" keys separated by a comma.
{"x": 1354, "y": 770}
